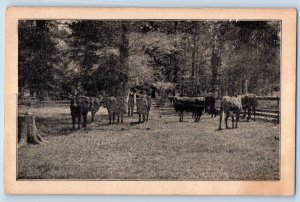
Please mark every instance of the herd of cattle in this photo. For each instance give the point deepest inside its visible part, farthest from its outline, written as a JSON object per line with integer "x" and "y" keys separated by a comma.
{"x": 231, "y": 106}
{"x": 116, "y": 108}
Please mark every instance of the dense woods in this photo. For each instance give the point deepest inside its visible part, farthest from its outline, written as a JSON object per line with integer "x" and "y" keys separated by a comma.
{"x": 110, "y": 57}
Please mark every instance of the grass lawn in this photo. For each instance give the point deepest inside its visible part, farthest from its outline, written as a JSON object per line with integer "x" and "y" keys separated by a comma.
{"x": 161, "y": 149}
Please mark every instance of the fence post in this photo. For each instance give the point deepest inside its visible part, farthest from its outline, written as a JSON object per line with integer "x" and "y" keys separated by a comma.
{"x": 278, "y": 105}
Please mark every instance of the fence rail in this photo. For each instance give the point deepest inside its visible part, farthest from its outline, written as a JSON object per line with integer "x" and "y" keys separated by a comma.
{"x": 38, "y": 102}
{"x": 267, "y": 98}
{"x": 267, "y": 110}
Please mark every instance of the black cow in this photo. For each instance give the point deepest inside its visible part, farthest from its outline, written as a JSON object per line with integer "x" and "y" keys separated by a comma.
{"x": 79, "y": 108}
{"x": 210, "y": 106}
{"x": 249, "y": 103}
{"x": 194, "y": 105}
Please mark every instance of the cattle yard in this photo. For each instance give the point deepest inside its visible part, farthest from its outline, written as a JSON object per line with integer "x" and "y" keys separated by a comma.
{"x": 161, "y": 149}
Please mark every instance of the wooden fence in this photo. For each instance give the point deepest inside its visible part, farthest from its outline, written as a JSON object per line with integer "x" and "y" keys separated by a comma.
{"x": 272, "y": 111}
{"x": 38, "y": 102}
{"x": 268, "y": 108}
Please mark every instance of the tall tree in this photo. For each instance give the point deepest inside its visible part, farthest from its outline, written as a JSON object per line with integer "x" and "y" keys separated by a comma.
{"x": 37, "y": 56}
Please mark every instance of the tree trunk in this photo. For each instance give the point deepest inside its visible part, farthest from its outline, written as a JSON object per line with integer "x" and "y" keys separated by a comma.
{"x": 124, "y": 55}
{"x": 27, "y": 130}
{"x": 194, "y": 49}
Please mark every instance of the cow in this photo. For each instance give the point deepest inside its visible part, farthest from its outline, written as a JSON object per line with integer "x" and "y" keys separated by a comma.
{"x": 231, "y": 106}
{"x": 115, "y": 107}
{"x": 195, "y": 105}
{"x": 79, "y": 108}
{"x": 249, "y": 103}
{"x": 142, "y": 107}
{"x": 210, "y": 106}
{"x": 121, "y": 108}
{"x": 95, "y": 104}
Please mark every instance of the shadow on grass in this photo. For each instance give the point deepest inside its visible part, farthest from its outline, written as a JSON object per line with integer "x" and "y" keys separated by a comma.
{"x": 136, "y": 123}
{"x": 55, "y": 126}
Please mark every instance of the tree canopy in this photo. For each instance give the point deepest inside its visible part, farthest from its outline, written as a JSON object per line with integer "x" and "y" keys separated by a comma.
{"x": 109, "y": 57}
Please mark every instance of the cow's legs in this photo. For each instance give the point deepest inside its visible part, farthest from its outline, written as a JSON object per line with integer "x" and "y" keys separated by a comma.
{"x": 232, "y": 119}
{"x": 93, "y": 115}
{"x": 199, "y": 116}
{"x": 118, "y": 120}
{"x": 131, "y": 112}
{"x": 79, "y": 120}
{"x": 147, "y": 116}
{"x": 121, "y": 117}
{"x": 109, "y": 117}
{"x": 113, "y": 117}
{"x": 180, "y": 116}
{"x": 237, "y": 120}
{"x": 249, "y": 114}
{"x": 84, "y": 117}
{"x": 196, "y": 116}
{"x": 254, "y": 111}
{"x": 220, "y": 122}
{"x": 73, "y": 119}
{"x": 214, "y": 113}
{"x": 226, "y": 119}
{"x": 244, "y": 113}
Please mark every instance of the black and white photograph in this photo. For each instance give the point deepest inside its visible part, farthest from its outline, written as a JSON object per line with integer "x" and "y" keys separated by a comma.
{"x": 150, "y": 101}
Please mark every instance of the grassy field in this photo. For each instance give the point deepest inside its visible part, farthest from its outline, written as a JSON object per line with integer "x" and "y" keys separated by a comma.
{"x": 161, "y": 149}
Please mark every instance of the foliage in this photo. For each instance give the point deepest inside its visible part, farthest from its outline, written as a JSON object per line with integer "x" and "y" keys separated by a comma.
{"x": 109, "y": 57}
{"x": 37, "y": 55}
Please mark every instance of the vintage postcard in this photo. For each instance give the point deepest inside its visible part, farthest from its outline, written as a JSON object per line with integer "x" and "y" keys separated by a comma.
{"x": 150, "y": 101}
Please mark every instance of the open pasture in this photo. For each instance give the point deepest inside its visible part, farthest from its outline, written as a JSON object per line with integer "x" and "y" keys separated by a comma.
{"x": 160, "y": 149}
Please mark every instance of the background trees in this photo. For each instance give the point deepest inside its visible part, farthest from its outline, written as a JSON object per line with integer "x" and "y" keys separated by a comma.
{"x": 38, "y": 57}
{"x": 109, "y": 57}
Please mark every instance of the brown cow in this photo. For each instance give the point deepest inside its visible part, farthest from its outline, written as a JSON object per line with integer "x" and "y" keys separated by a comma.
{"x": 231, "y": 106}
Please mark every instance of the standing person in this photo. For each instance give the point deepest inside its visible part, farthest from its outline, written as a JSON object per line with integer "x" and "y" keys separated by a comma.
{"x": 130, "y": 103}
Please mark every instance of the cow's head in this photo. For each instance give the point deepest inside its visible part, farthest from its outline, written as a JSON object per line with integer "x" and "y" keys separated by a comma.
{"x": 209, "y": 103}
